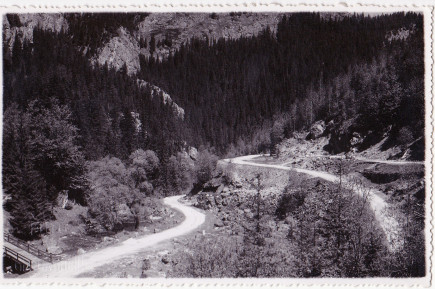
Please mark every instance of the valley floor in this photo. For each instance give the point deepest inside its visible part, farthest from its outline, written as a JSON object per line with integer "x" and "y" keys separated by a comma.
{"x": 80, "y": 264}
{"x": 159, "y": 250}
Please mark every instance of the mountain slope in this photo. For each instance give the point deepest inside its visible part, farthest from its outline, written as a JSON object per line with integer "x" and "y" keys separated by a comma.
{"x": 160, "y": 35}
{"x": 232, "y": 88}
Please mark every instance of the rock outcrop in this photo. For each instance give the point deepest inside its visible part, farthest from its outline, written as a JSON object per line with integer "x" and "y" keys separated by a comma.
{"x": 400, "y": 34}
{"x": 119, "y": 51}
{"x": 316, "y": 130}
{"x": 55, "y": 22}
{"x": 341, "y": 135}
{"x": 180, "y": 27}
{"x": 166, "y": 98}
{"x": 171, "y": 30}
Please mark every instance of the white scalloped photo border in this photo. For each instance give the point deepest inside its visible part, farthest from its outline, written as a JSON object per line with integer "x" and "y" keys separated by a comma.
{"x": 426, "y": 7}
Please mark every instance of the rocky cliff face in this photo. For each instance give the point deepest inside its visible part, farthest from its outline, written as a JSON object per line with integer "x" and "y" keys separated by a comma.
{"x": 158, "y": 92}
{"x": 180, "y": 27}
{"x": 27, "y": 22}
{"x": 119, "y": 51}
{"x": 400, "y": 34}
{"x": 171, "y": 30}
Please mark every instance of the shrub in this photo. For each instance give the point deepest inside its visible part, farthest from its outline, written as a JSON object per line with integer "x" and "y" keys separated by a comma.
{"x": 405, "y": 136}
{"x": 337, "y": 234}
{"x": 289, "y": 202}
{"x": 110, "y": 192}
{"x": 205, "y": 165}
{"x": 146, "y": 161}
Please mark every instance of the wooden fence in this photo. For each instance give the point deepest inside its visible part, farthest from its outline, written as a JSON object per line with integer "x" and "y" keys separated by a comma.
{"x": 49, "y": 257}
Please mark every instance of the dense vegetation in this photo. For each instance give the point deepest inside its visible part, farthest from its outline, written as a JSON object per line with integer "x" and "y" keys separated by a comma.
{"x": 313, "y": 229}
{"x": 313, "y": 68}
{"x": 94, "y": 133}
{"x": 60, "y": 112}
{"x": 330, "y": 232}
{"x": 91, "y": 31}
{"x": 106, "y": 105}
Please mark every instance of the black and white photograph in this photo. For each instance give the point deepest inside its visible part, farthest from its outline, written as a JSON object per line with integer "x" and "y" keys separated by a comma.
{"x": 242, "y": 145}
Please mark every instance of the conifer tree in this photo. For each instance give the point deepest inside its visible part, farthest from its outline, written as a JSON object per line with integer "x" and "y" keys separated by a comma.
{"x": 30, "y": 206}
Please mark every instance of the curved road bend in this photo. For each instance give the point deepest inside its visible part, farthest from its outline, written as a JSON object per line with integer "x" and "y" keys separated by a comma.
{"x": 89, "y": 261}
{"x": 387, "y": 222}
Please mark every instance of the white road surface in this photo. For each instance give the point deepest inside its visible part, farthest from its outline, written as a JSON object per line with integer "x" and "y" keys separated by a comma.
{"x": 89, "y": 261}
{"x": 387, "y": 222}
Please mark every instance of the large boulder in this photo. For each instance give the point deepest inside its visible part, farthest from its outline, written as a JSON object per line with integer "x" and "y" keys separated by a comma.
{"x": 316, "y": 130}
{"x": 80, "y": 251}
{"x": 341, "y": 134}
{"x": 215, "y": 184}
{"x": 204, "y": 201}
{"x": 218, "y": 223}
{"x": 193, "y": 153}
{"x": 62, "y": 199}
{"x": 212, "y": 185}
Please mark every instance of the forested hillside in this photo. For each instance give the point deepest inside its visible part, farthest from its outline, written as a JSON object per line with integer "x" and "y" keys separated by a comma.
{"x": 73, "y": 126}
{"x": 315, "y": 67}
{"x": 60, "y": 112}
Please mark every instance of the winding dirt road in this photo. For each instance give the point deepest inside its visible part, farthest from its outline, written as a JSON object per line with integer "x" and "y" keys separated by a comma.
{"x": 379, "y": 206}
{"x": 89, "y": 261}
{"x": 193, "y": 219}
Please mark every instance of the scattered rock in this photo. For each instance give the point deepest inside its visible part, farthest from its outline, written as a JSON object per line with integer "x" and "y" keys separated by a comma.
{"x": 165, "y": 259}
{"x": 237, "y": 184}
{"x": 213, "y": 185}
{"x": 68, "y": 205}
{"x": 108, "y": 239}
{"x": 218, "y": 223}
{"x": 220, "y": 189}
{"x": 356, "y": 139}
{"x": 218, "y": 200}
{"x": 162, "y": 253}
{"x": 81, "y": 251}
{"x": 289, "y": 220}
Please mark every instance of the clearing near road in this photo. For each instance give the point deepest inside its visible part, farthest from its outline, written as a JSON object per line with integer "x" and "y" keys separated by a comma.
{"x": 88, "y": 261}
